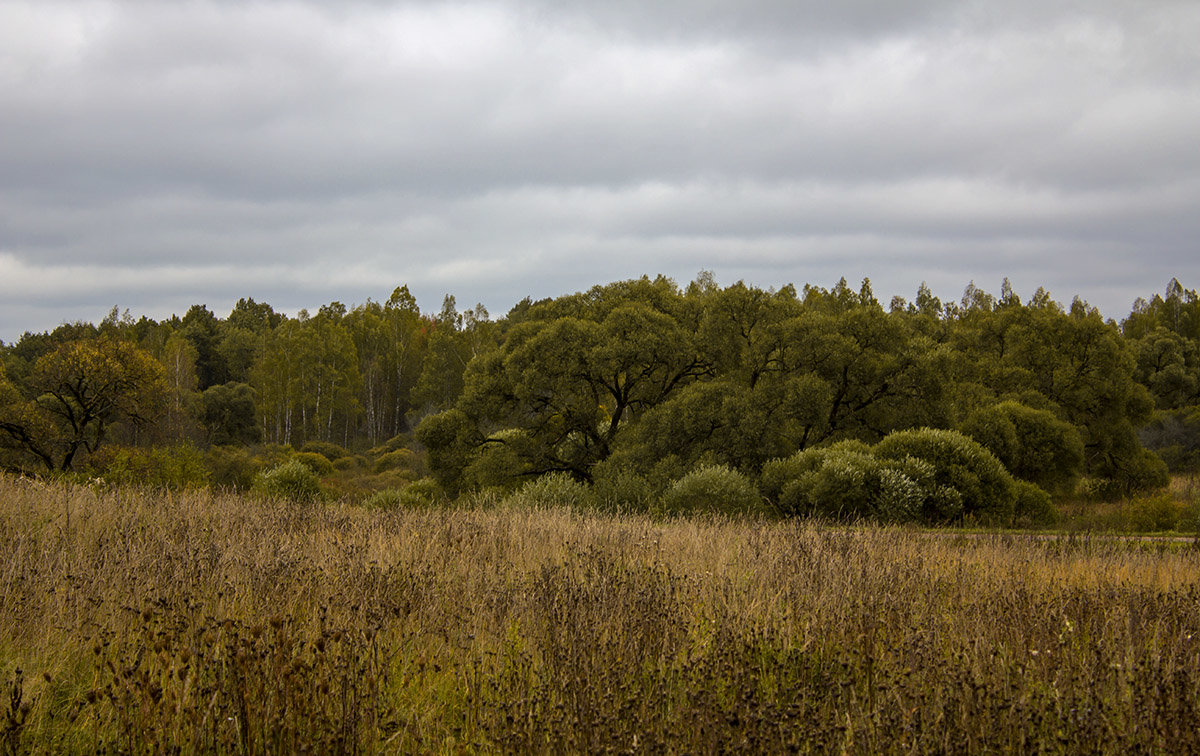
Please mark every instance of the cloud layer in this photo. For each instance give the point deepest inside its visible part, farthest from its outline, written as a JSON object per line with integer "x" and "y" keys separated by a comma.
{"x": 155, "y": 155}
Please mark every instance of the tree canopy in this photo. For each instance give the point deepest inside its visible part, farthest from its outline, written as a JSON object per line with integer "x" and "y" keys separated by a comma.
{"x": 641, "y": 378}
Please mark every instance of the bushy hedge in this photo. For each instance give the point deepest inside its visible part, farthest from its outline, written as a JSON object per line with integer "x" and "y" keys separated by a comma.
{"x": 1032, "y": 444}
{"x": 291, "y": 480}
{"x": 620, "y": 488}
{"x": 556, "y": 489}
{"x": 1033, "y": 506}
{"x": 171, "y": 467}
{"x": 846, "y": 481}
{"x": 712, "y": 489}
{"x": 986, "y": 491}
{"x": 926, "y": 475}
{"x": 315, "y": 461}
{"x": 419, "y": 494}
{"x": 330, "y": 451}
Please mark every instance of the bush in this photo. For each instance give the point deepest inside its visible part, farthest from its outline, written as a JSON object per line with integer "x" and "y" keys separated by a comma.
{"x": 985, "y": 490}
{"x": 420, "y": 494}
{"x": 1032, "y": 444}
{"x": 291, "y": 480}
{"x": 843, "y": 487}
{"x": 618, "y": 488}
{"x": 403, "y": 459}
{"x": 1151, "y": 514}
{"x": 903, "y": 488}
{"x": 496, "y": 464}
{"x": 787, "y": 482}
{"x": 232, "y": 467}
{"x": 318, "y": 463}
{"x": 175, "y": 467}
{"x": 556, "y": 489}
{"x": 1033, "y": 507}
{"x": 347, "y": 463}
{"x": 847, "y": 482}
{"x": 329, "y": 451}
{"x": 400, "y": 441}
{"x": 713, "y": 489}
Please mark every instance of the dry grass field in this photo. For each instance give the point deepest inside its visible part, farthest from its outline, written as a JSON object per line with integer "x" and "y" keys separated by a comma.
{"x": 206, "y": 623}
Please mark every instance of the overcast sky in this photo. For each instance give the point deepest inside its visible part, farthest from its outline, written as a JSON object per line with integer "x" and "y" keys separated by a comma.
{"x": 154, "y": 155}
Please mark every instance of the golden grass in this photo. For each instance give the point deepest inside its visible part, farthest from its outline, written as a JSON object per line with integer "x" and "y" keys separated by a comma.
{"x": 202, "y": 622}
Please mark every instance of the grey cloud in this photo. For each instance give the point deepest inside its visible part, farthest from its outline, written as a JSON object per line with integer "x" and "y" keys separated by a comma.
{"x": 500, "y": 149}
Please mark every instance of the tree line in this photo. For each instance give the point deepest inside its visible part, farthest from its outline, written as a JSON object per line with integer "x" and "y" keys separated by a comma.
{"x": 637, "y": 378}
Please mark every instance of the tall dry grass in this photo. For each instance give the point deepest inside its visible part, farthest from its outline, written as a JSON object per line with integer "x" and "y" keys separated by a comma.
{"x": 200, "y": 622}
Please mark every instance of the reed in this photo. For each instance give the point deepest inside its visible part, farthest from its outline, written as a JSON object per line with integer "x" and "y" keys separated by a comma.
{"x": 141, "y": 622}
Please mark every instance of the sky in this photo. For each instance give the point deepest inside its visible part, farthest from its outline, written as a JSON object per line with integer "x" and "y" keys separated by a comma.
{"x": 159, "y": 155}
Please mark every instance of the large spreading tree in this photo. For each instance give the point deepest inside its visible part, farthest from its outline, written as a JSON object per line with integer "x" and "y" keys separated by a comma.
{"x": 76, "y": 393}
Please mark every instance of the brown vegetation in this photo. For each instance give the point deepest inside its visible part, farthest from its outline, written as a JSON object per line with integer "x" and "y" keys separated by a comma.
{"x": 141, "y": 623}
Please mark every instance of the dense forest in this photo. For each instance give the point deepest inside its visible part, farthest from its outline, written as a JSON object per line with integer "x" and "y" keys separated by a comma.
{"x": 636, "y": 391}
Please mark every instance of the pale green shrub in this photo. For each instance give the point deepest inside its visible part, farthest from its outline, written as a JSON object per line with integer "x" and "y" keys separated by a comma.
{"x": 713, "y": 489}
{"x": 291, "y": 480}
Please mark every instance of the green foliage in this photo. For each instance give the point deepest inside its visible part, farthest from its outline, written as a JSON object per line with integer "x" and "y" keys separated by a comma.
{"x": 1033, "y": 506}
{"x": 619, "y": 488}
{"x": 232, "y": 467}
{"x": 399, "y": 441}
{"x": 77, "y": 393}
{"x": 318, "y": 463}
{"x": 420, "y": 494}
{"x": 1175, "y": 436}
{"x": 230, "y": 415}
{"x": 171, "y": 467}
{"x": 308, "y": 378}
{"x": 290, "y": 480}
{"x": 985, "y": 490}
{"x": 1076, "y": 362}
{"x": 1155, "y": 513}
{"x": 329, "y": 450}
{"x": 1163, "y": 512}
{"x": 400, "y": 459}
{"x": 846, "y": 481}
{"x": 1032, "y": 444}
{"x": 556, "y": 489}
{"x": 658, "y": 379}
{"x": 712, "y": 489}
{"x": 450, "y": 438}
{"x": 1139, "y": 470}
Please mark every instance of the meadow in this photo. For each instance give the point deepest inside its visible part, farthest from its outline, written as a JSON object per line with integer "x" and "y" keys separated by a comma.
{"x": 202, "y": 622}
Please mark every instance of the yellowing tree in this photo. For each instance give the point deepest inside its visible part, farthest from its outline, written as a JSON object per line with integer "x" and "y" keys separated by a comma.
{"x": 78, "y": 391}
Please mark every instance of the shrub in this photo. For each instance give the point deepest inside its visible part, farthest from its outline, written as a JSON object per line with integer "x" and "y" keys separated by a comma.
{"x": 779, "y": 475}
{"x": 179, "y": 467}
{"x": 1033, "y": 507}
{"x": 318, "y": 463}
{"x": 497, "y": 464}
{"x": 419, "y": 494}
{"x": 618, "y": 488}
{"x": 232, "y": 467}
{"x": 713, "y": 489}
{"x": 846, "y": 481}
{"x": 1032, "y": 444}
{"x": 398, "y": 459}
{"x": 175, "y": 467}
{"x": 392, "y": 444}
{"x": 900, "y": 496}
{"x": 985, "y": 490}
{"x": 556, "y": 489}
{"x": 329, "y": 451}
{"x": 346, "y": 463}
{"x": 1150, "y": 514}
{"x": 290, "y": 480}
